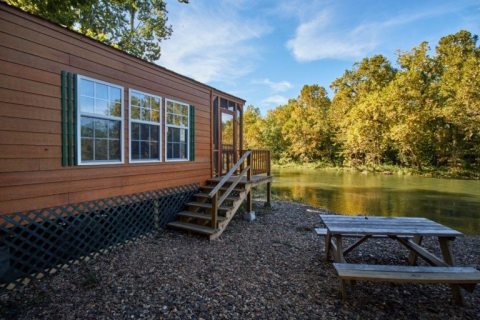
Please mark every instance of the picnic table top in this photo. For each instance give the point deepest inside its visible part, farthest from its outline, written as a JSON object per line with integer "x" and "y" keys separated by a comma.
{"x": 398, "y": 226}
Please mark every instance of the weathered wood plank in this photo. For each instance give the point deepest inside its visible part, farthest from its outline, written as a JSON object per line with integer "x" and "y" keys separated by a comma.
{"x": 403, "y": 268}
{"x": 355, "y": 218}
{"x": 421, "y": 252}
{"x": 397, "y": 221}
{"x": 455, "y": 275}
{"x": 396, "y": 231}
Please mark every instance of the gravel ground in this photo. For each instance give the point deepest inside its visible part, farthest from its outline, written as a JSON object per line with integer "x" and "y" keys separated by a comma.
{"x": 272, "y": 268}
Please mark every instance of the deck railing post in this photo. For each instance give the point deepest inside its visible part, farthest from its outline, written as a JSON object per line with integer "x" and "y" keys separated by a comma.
{"x": 269, "y": 160}
{"x": 249, "y": 165}
{"x": 214, "y": 211}
{"x": 269, "y": 184}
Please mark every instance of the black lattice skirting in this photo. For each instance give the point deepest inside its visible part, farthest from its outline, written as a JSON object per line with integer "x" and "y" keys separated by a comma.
{"x": 41, "y": 241}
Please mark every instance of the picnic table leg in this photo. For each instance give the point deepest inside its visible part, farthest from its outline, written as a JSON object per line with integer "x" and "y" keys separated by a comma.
{"x": 340, "y": 258}
{"x": 448, "y": 258}
{"x": 412, "y": 258}
{"x": 328, "y": 240}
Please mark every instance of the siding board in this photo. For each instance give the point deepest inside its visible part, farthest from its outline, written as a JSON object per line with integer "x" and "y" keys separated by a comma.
{"x": 66, "y": 37}
{"x": 33, "y": 52}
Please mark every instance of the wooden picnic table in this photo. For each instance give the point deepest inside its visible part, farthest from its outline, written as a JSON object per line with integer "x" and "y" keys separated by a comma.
{"x": 407, "y": 231}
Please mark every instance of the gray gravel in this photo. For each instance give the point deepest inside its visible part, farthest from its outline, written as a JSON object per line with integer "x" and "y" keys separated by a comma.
{"x": 272, "y": 268}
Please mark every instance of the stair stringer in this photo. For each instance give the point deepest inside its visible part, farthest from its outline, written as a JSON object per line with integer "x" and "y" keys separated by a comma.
{"x": 236, "y": 205}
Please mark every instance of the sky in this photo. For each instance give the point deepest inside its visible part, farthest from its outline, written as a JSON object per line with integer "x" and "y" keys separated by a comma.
{"x": 264, "y": 51}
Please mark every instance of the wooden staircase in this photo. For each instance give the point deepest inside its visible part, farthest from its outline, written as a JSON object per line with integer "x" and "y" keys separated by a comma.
{"x": 214, "y": 207}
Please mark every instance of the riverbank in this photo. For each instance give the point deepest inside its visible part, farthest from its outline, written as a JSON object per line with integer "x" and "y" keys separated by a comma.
{"x": 271, "y": 268}
{"x": 429, "y": 172}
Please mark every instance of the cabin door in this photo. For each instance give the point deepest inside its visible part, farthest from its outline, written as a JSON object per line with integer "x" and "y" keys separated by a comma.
{"x": 227, "y": 141}
{"x": 227, "y": 135}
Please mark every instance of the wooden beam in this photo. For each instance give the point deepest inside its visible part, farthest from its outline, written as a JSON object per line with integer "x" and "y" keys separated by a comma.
{"x": 447, "y": 256}
{"x": 412, "y": 259}
{"x": 421, "y": 252}
{"x": 356, "y": 244}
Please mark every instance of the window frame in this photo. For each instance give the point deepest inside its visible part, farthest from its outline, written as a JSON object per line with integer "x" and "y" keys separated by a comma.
{"x": 187, "y": 159}
{"x": 98, "y": 116}
{"x": 159, "y": 124}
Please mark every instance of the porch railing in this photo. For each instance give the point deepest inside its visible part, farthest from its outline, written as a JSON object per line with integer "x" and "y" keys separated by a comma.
{"x": 261, "y": 160}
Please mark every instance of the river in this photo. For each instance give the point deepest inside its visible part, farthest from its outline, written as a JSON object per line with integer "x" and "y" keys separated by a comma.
{"x": 455, "y": 203}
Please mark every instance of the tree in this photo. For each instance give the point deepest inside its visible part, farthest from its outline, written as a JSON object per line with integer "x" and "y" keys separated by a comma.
{"x": 273, "y": 133}
{"x": 366, "y": 131}
{"x": 357, "y": 132}
{"x": 308, "y": 128}
{"x": 253, "y": 126}
{"x": 424, "y": 114}
{"x": 134, "y": 26}
{"x": 458, "y": 58}
{"x": 414, "y": 107}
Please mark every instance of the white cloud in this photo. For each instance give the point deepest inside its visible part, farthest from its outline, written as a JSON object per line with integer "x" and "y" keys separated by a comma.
{"x": 274, "y": 86}
{"x": 274, "y": 100}
{"x": 315, "y": 39}
{"x": 211, "y": 43}
{"x": 326, "y": 35}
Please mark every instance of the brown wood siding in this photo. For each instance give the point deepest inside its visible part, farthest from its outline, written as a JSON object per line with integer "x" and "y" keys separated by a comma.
{"x": 33, "y": 52}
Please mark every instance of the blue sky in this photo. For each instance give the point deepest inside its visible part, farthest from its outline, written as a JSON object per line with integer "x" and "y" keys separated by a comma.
{"x": 265, "y": 50}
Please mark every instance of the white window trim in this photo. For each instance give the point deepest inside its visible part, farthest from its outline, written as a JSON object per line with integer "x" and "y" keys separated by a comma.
{"x": 94, "y": 115}
{"x": 159, "y": 124}
{"x": 180, "y": 127}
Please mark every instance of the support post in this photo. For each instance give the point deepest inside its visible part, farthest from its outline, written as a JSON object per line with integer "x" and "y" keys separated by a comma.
{"x": 268, "y": 204}
{"x": 412, "y": 258}
{"x": 249, "y": 165}
{"x": 214, "y": 211}
{"x": 249, "y": 201}
{"x": 250, "y": 214}
{"x": 338, "y": 255}
{"x": 448, "y": 258}
{"x": 328, "y": 245}
{"x": 269, "y": 162}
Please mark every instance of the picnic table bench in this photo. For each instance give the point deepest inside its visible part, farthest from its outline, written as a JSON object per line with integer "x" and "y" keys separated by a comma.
{"x": 410, "y": 233}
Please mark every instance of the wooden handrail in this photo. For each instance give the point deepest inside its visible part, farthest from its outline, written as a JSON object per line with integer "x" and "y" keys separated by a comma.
{"x": 230, "y": 173}
{"x": 216, "y": 202}
{"x": 232, "y": 186}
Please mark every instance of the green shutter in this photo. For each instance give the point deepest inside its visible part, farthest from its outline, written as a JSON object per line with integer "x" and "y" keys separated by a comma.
{"x": 192, "y": 133}
{"x": 70, "y": 118}
{"x": 69, "y": 114}
{"x": 74, "y": 105}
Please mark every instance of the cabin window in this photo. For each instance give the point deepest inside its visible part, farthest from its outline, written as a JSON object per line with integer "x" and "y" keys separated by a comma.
{"x": 177, "y": 131}
{"x": 145, "y": 130}
{"x": 100, "y": 122}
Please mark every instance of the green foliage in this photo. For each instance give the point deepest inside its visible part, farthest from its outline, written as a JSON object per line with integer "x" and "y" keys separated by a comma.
{"x": 424, "y": 114}
{"x": 134, "y": 26}
{"x": 253, "y": 124}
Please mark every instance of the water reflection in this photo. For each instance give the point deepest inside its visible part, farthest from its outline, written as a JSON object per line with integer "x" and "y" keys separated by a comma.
{"x": 455, "y": 203}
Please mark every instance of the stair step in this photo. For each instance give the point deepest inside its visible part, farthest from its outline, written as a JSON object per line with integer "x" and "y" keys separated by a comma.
{"x": 207, "y": 206}
{"x": 205, "y": 195}
{"x": 192, "y": 227}
{"x": 222, "y": 189}
{"x": 198, "y": 215}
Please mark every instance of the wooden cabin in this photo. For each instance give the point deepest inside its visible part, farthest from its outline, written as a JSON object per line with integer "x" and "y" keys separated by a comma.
{"x": 92, "y": 137}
